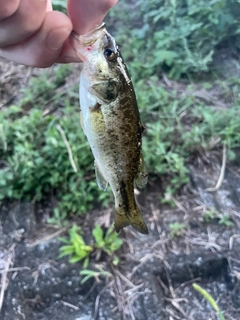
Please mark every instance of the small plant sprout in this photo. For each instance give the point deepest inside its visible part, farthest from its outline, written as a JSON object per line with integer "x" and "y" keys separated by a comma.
{"x": 109, "y": 243}
{"x": 177, "y": 229}
{"x": 210, "y": 214}
{"x": 75, "y": 247}
{"x": 94, "y": 274}
{"x": 210, "y": 299}
{"x": 58, "y": 219}
{"x": 226, "y": 220}
{"x": 223, "y": 219}
{"x": 78, "y": 250}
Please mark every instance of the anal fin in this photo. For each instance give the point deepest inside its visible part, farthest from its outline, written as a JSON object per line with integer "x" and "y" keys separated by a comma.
{"x": 101, "y": 181}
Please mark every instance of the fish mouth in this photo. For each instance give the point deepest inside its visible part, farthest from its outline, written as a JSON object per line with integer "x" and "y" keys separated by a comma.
{"x": 89, "y": 33}
{"x": 89, "y": 42}
{"x": 92, "y": 36}
{"x": 87, "y": 39}
{"x": 102, "y": 25}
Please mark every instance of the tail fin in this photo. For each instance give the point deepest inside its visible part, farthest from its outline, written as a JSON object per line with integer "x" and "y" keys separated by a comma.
{"x": 133, "y": 218}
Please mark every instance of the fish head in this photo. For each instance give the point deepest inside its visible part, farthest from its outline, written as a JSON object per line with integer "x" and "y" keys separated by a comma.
{"x": 98, "y": 51}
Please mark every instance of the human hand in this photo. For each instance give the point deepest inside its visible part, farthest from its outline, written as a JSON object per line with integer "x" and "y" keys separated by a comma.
{"x": 34, "y": 35}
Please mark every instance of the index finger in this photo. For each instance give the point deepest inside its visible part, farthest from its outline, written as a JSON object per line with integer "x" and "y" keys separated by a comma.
{"x": 88, "y": 14}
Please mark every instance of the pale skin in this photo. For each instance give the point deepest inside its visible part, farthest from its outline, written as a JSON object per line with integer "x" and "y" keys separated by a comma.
{"x": 31, "y": 33}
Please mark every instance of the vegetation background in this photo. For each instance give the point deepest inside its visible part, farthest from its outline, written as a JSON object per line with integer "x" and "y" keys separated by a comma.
{"x": 183, "y": 57}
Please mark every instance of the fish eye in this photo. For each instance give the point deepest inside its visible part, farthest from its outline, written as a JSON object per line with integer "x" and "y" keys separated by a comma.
{"x": 109, "y": 54}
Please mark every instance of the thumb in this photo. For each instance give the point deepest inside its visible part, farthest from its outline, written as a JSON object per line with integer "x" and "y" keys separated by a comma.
{"x": 44, "y": 47}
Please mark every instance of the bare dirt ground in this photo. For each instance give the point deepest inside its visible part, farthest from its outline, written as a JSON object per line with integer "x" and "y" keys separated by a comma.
{"x": 154, "y": 277}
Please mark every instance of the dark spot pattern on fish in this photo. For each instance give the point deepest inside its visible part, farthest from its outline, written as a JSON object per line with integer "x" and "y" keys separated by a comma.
{"x": 124, "y": 195}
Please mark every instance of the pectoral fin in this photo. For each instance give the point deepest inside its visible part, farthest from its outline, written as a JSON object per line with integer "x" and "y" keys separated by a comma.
{"x": 102, "y": 183}
{"x": 106, "y": 91}
{"x": 142, "y": 177}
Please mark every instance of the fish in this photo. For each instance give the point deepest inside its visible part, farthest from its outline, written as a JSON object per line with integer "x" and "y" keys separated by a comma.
{"x": 111, "y": 122}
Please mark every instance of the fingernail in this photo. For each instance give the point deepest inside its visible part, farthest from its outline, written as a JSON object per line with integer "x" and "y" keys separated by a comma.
{"x": 56, "y": 38}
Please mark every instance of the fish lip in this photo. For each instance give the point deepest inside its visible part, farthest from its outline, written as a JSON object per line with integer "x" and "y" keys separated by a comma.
{"x": 101, "y": 26}
{"x": 98, "y": 28}
{"x": 75, "y": 36}
{"x": 90, "y": 34}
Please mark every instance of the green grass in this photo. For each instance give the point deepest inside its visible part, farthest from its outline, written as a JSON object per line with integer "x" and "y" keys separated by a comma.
{"x": 179, "y": 128}
{"x": 35, "y": 161}
{"x": 178, "y": 37}
{"x": 59, "y": 5}
{"x": 210, "y": 299}
{"x": 212, "y": 214}
{"x": 177, "y": 229}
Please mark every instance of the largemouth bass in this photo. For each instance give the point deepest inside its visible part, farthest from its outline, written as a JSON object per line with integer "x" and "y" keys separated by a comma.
{"x": 110, "y": 120}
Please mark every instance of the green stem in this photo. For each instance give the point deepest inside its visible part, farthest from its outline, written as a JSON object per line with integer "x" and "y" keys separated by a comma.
{"x": 210, "y": 299}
